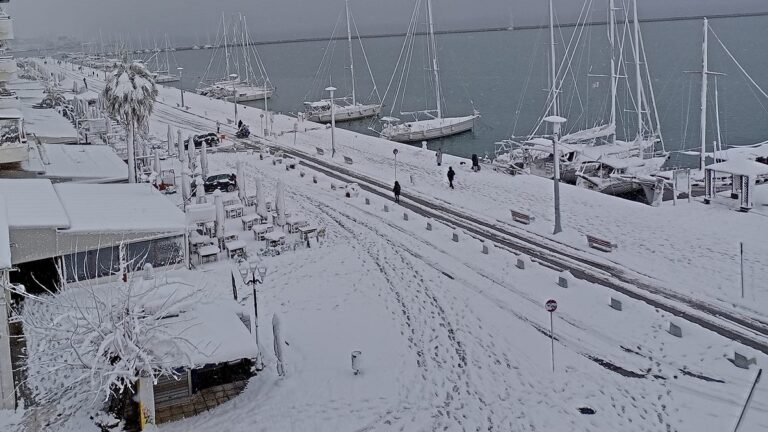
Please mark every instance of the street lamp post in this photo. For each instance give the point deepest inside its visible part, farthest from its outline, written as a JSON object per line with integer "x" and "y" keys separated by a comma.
{"x": 333, "y": 121}
{"x": 394, "y": 152}
{"x": 181, "y": 84}
{"x": 251, "y": 271}
{"x": 233, "y": 77}
{"x": 556, "y": 122}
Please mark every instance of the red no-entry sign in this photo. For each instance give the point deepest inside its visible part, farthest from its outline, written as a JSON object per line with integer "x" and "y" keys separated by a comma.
{"x": 551, "y": 306}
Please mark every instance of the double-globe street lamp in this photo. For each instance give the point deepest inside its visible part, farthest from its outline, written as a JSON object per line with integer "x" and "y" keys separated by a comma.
{"x": 248, "y": 271}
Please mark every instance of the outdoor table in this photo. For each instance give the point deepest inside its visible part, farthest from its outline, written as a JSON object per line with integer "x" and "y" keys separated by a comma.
{"x": 260, "y": 230}
{"x": 250, "y": 220}
{"x": 306, "y": 231}
{"x": 196, "y": 240}
{"x": 295, "y": 222}
{"x": 235, "y": 248}
{"x": 234, "y": 211}
{"x": 208, "y": 254}
{"x": 274, "y": 238}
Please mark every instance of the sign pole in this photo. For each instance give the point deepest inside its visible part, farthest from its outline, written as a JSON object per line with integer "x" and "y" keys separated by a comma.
{"x": 552, "y": 339}
{"x": 551, "y": 307}
{"x": 741, "y": 258}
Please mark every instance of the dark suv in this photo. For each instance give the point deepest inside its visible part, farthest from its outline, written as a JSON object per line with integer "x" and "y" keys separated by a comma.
{"x": 210, "y": 139}
{"x": 222, "y": 182}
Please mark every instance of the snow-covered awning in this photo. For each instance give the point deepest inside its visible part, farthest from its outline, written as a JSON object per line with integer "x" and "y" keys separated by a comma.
{"x": 742, "y": 167}
{"x": 33, "y": 203}
{"x": 214, "y": 334}
{"x": 99, "y": 208}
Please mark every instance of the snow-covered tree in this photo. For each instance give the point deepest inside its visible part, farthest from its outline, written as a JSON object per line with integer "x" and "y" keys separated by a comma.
{"x": 130, "y": 96}
{"x": 87, "y": 343}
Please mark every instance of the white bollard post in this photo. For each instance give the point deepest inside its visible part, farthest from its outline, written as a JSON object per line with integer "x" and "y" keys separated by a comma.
{"x": 356, "y": 362}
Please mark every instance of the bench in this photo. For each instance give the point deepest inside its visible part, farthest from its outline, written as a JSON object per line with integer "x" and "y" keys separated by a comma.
{"x": 522, "y": 217}
{"x": 600, "y": 244}
{"x": 347, "y": 160}
{"x": 320, "y": 151}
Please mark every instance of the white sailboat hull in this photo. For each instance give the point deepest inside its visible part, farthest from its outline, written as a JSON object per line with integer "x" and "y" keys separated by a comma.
{"x": 254, "y": 94}
{"x": 346, "y": 113}
{"x": 425, "y": 130}
{"x": 162, "y": 79}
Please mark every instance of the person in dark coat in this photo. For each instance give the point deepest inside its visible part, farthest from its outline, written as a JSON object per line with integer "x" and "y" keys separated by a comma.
{"x": 475, "y": 163}
{"x": 86, "y": 83}
{"x": 451, "y": 175}
{"x": 396, "y": 190}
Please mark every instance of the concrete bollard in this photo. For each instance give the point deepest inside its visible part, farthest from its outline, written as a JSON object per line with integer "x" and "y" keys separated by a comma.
{"x": 616, "y": 304}
{"x": 741, "y": 361}
{"x": 356, "y": 362}
{"x": 386, "y": 208}
{"x": 520, "y": 264}
{"x": 367, "y": 201}
{"x": 314, "y": 179}
{"x": 485, "y": 249}
{"x": 429, "y": 226}
{"x": 456, "y": 236}
{"x": 675, "y": 330}
{"x": 302, "y": 174}
{"x": 562, "y": 282}
{"x": 405, "y": 216}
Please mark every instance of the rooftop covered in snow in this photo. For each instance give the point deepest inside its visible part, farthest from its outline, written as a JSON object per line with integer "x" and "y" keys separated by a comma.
{"x": 98, "y": 163}
{"x": 98, "y": 208}
{"x": 33, "y": 203}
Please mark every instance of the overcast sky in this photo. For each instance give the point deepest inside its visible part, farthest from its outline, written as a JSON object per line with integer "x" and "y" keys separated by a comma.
{"x": 271, "y": 19}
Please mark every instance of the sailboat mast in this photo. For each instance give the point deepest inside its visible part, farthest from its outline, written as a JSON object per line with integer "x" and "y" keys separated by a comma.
{"x": 226, "y": 47}
{"x": 612, "y": 39}
{"x": 638, "y": 77}
{"x": 351, "y": 58}
{"x": 552, "y": 60}
{"x": 704, "y": 79}
{"x": 435, "y": 69}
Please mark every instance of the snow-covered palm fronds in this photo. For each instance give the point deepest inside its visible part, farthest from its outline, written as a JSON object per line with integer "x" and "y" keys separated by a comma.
{"x": 130, "y": 96}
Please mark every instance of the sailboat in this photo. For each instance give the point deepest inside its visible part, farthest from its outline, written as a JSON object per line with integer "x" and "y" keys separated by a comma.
{"x": 240, "y": 81}
{"x": 427, "y": 124}
{"x": 162, "y": 70}
{"x": 345, "y": 108}
{"x": 594, "y": 158}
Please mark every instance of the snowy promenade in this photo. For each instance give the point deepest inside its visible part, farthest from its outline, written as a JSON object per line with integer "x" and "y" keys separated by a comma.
{"x": 453, "y": 339}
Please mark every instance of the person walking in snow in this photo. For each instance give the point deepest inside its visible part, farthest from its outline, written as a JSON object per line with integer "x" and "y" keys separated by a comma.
{"x": 86, "y": 83}
{"x": 451, "y": 175}
{"x": 475, "y": 163}
{"x": 396, "y": 190}
{"x": 439, "y": 156}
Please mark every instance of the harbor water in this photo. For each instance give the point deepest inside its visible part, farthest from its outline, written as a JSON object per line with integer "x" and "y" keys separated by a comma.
{"x": 503, "y": 74}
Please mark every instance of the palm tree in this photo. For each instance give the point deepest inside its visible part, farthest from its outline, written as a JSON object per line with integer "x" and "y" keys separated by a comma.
{"x": 130, "y": 96}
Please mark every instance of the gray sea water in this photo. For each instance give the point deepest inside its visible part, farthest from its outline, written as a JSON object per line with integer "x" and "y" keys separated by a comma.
{"x": 503, "y": 74}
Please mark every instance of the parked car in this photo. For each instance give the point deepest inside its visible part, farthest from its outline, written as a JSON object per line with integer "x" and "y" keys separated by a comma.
{"x": 222, "y": 182}
{"x": 210, "y": 139}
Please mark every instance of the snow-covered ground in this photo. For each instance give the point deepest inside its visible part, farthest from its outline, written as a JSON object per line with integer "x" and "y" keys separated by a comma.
{"x": 453, "y": 339}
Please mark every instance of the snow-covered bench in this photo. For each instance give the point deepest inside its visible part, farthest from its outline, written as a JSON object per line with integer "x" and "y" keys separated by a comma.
{"x": 348, "y": 160}
{"x": 522, "y": 217}
{"x": 600, "y": 244}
